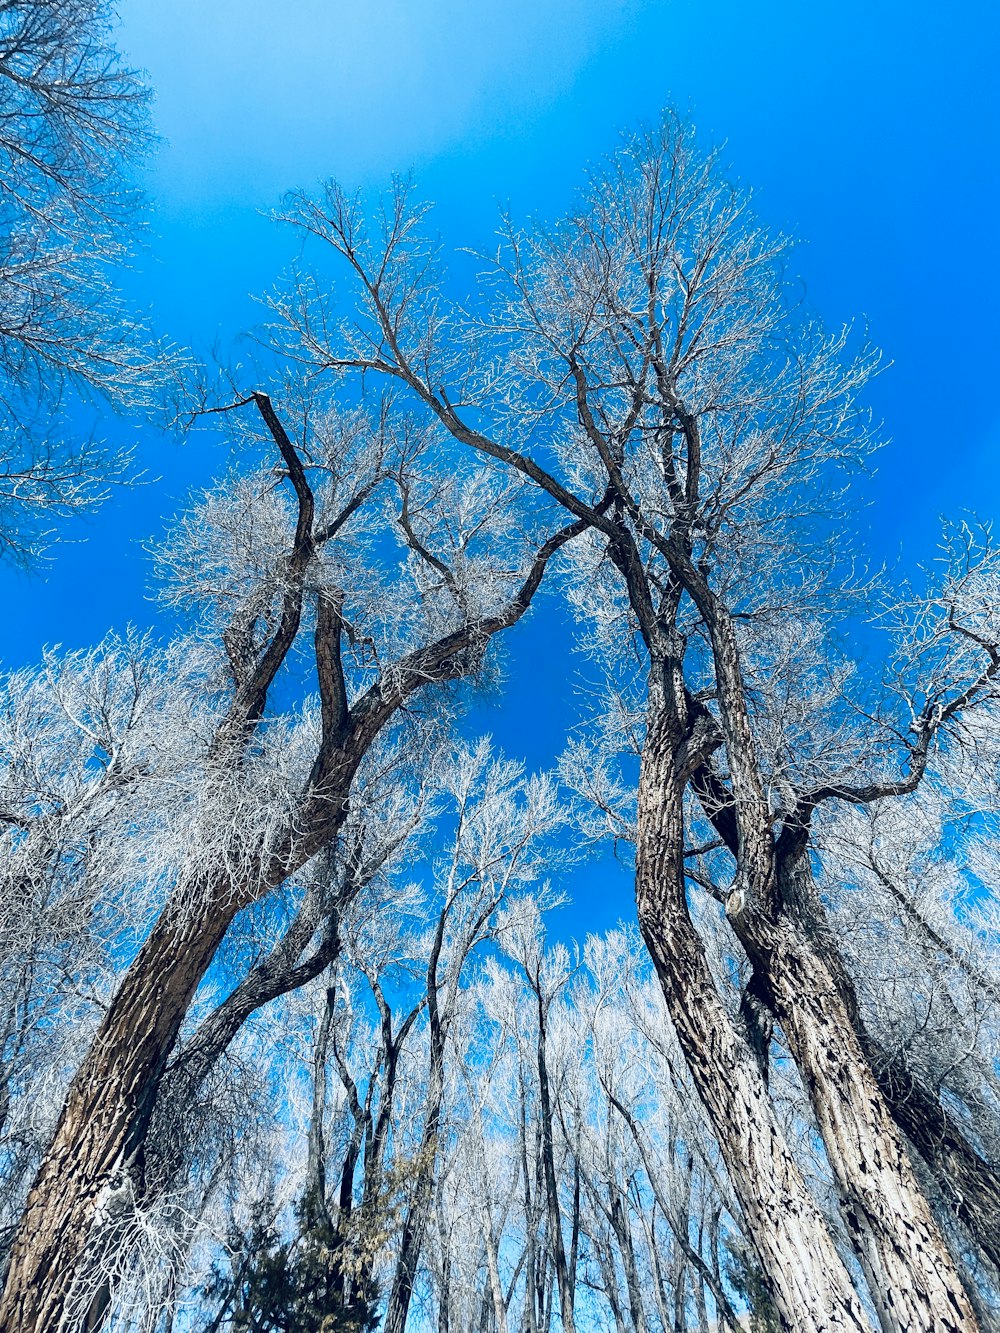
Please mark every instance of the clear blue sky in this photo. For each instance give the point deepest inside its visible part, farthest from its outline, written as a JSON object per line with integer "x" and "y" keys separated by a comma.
{"x": 869, "y": 130}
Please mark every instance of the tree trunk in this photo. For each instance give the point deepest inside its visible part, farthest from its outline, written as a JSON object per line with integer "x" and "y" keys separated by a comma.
{"x": 316, "y": 1141}
{"x": 969, "y": 1185}
{"x": 565, "y": 1279}
{"x": 417, "y": 1214}
{"x": 444, "y": 1289}
{"x": 493, "y": 1269}
{"x": 604, "y": 1256}
{"x": 911, "y": 1276}
{"x": 414, "y": 1227}
{"x": 86, "y": 1174}
{"x": 531, "y": 1277}
{"x": 623, "y": 1234}
{"x": 913, "y": 1280}
{"x": 680, "y": 1264}
{"x": 809, "y": 1282}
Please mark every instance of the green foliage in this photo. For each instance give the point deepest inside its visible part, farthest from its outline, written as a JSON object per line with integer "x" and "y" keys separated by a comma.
{"x": 309, "y": 1284}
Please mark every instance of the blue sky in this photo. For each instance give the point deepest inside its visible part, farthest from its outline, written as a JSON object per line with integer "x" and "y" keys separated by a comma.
{"x": 870, "y": 131}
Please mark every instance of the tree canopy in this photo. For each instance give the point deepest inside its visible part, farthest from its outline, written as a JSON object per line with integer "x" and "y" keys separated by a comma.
{"x": 286, "y": 1042}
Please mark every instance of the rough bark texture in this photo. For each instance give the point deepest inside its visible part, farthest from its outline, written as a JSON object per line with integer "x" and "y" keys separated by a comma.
{"x": 90, "y": 1163}
{"x": 968, "y": 1184}
{"x": 809, "y": 1283}
{"x": 911, "y": 1276}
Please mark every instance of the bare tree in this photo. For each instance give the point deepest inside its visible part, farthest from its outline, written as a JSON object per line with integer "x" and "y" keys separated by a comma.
{"x": 648, "y": 1159}
{"x": 270, "y": 558}
{"x": 643, "y": 367}
{"x": 639, "y": 396}
{"x": 497, "y": 851}
{"x": 547, "y": 973}
{"x": 76, "y": 735}
{"x": 909, "y": 888}
{"x": 73, "y": 126}
{"x": 397, "y": 1014}
{"x": 354, "y": 1054}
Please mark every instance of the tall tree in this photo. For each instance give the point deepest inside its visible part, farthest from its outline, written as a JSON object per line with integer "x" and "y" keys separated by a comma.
{"x": 637, "y": 395}
{"x": 503, "y": 824}
{"x": 73, "y": 127}
{"x": 289, "y": 555}
{"x": 643, "y": 367}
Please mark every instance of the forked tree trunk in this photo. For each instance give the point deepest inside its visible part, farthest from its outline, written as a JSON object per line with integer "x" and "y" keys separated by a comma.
{"x": 912, "y": 1278}
{"x": 809, "y": 1282}
{"x": 969, "y": 1184}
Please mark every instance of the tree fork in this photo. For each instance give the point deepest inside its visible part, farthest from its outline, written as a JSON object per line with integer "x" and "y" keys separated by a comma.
{"x": 808, "y": 1281}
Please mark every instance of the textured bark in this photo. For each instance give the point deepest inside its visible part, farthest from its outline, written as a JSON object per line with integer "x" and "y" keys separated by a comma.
{"x": 969, "y": 1184}
{"x": 809, "y": 1283}
{"x": 626, "y": 369}
{"x": 98, "y": 1141}
{"x": 281, "y": 971}
{"x": 911, "y": 1276}
{"x": 913, "y": 1280}
{"x": 94, "y": 1167}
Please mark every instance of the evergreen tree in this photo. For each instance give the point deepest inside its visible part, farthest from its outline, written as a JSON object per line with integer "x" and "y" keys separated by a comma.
{"x": 305, "y": 1285}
